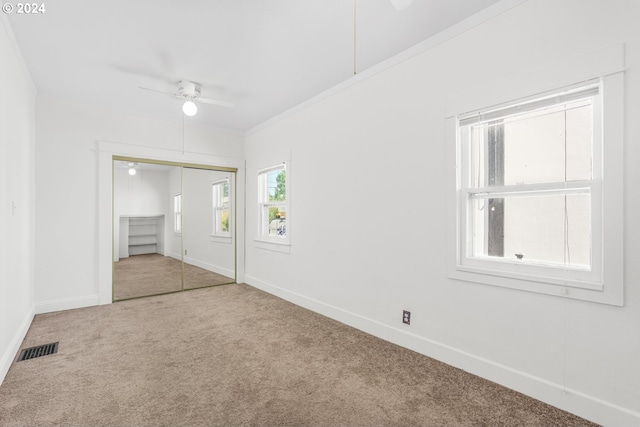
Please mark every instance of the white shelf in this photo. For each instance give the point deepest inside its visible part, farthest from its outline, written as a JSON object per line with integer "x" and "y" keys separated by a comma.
{"x": 144, "y": 234}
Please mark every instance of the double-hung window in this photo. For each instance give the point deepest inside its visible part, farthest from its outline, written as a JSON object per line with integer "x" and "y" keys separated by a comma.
{"x": 221, "y": 208}
{"x": 273, "y": 205}
{"x": 177, "y": 213}
{"x": 529, "y": 192}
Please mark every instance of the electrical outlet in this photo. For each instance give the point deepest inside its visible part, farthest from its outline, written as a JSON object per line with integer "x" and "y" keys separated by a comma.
{"x": 406, "y": 317}
{"x": 185, "y": 251}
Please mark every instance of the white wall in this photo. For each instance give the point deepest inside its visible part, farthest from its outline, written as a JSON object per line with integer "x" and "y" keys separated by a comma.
{"x": 143, "y": 194}
{"x": 373, "y": 154}
{"x": 17, "y": 113}
{"x": 68, "y": 222}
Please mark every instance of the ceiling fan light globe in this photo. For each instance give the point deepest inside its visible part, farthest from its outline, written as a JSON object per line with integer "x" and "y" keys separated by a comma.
{"x": 132, "y": 171}
{"x": 190, "y": 108}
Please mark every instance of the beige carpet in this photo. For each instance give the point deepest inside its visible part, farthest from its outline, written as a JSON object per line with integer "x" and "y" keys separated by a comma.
{"x": 155, "y": 274}
{"x": 235, "y": 356}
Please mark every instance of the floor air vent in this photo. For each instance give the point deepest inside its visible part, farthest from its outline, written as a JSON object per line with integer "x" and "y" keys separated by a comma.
{"x": 39, "y": 351}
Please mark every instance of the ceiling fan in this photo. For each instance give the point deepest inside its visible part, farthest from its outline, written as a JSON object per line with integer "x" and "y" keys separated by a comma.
{"x": 190, "y": 92}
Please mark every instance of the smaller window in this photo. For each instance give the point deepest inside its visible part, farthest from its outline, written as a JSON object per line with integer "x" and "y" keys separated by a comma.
{"x": 221, "y": 208}
{"x": 273, "y": 203}
{"x": 177, "y": 213}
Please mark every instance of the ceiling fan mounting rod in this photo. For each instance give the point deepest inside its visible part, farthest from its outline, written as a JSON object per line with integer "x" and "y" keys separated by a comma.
{"x": 355, "y": 37}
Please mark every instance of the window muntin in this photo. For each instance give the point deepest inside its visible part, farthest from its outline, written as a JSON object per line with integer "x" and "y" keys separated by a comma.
{"x": 529, "y": 187}
{"x": 177, "y": 213}
{"x": 221, "y": 208}
{"x": 272, "y": 188}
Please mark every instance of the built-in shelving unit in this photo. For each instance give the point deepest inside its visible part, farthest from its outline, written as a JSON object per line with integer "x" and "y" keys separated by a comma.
{"x": 141, "y": 235}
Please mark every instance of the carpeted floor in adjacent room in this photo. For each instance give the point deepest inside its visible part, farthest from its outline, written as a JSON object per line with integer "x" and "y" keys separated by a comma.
{"x": 235, "y": 356}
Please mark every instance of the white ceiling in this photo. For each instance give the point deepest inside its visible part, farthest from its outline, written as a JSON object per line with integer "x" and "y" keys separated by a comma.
{"x": 266, "y": 56}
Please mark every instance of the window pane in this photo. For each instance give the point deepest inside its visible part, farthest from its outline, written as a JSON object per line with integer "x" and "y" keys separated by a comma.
{"x": 221, "y": 194}
{"x": 276, "y": 185}
{"x": 277, "y": 221}
{"x": 225, "y": 194}
{"x": 177, "y": 213}
{"x": 224, "y": 221}
{"x": 551, "y": 229}
{"x": 548, "y": 145}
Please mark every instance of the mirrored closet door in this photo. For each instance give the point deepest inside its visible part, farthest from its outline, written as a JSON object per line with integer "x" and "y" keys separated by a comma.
{"x": 207, "y": 223}
{"x": 173, "y": 228}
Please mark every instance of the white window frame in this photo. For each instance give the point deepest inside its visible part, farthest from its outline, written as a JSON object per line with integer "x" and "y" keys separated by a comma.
{"x": 177, "y": 214}
{"x": 604, "y": 283}
{"x": 219, "y": 208}
{"x": 264, "y": 204}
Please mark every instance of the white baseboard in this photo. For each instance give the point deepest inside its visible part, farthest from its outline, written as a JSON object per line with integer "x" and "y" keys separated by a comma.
{"x": 570, "y": 400}
{"x": 10, "y": 353}
{"x": 66, "y": 304}
{"x": 210, "y": 267}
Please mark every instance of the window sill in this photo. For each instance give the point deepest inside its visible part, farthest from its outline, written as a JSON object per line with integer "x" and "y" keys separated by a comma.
{"x": 273, "y": 245}
{"x": 569, "y": 288}
{"x": 220, "y": 239}
{"x": 539, "y": 272}
{"x": 553, "y": 276}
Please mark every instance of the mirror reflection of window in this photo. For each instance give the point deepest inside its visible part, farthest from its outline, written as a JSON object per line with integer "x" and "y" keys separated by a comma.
{"x": 221, "y": 208}
{"x": 177, "y": 213}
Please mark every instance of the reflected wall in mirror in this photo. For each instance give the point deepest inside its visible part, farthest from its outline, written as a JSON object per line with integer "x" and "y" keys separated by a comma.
{"x": 161, "y": 220}
{"x": 146, "y": 261}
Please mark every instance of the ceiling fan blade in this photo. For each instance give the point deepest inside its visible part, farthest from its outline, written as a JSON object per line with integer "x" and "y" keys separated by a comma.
{"x": 161, "y": 91}
{"x": 218, "y": 102}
